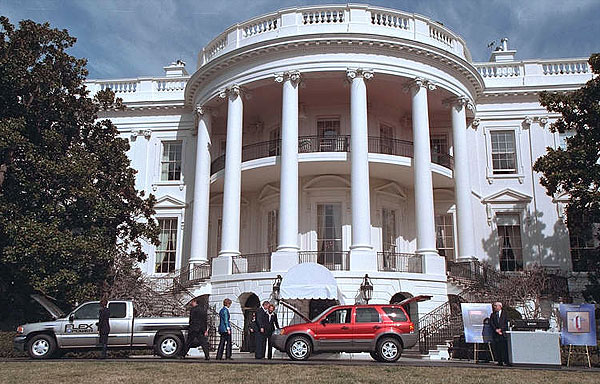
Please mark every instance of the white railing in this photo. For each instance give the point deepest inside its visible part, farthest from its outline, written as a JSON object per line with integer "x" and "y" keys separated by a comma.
{"x": 566, "y": 68}
{"x": 390, "y": 20}
{"x": 499, "y": 70}
{"x": 359, "y": 19}
{"x": 170, "y": 85}
{"x": 264, "y": 25}
{"x": 121, "y": 86}
{"x": 323, "y": 16}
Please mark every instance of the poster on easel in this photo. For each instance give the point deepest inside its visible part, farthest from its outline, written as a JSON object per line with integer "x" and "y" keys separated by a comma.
{"x": 578, "y": 324}
{"x": 476, "y": 317}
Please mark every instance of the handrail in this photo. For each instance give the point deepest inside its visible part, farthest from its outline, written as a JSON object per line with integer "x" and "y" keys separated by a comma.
{"x": 338, "y": 143}
{"x": 440, "y": 325}
{"x": 251, "y": 263}
{"x": 332, "y": 260}
{"x": 399, "y": 262}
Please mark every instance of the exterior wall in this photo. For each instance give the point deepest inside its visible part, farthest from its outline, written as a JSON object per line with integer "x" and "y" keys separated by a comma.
{"x": 399, "y": 50}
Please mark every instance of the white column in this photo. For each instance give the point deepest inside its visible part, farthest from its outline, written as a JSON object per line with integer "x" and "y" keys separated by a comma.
{"x": 425, "y": 220}
{"x": 359, "y": 159}
{"x": 362, "y": 256}
{"x": 199, "y": 246}
{"x": 232, "y": 188}
{"x": 287, "y": 248}
{"x": 462, "y": 181}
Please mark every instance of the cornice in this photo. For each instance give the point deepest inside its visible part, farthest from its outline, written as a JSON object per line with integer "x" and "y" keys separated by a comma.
{"x": 414, "y": 50}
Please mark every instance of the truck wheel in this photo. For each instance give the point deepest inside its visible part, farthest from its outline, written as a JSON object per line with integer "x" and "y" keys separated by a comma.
{"x": 298, "y": 348}
{"x": 41, "y": 347}
{"x": 168, "y": 346}
{"x": 389, "y": 350}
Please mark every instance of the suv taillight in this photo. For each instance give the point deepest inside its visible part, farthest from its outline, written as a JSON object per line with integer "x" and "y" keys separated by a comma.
{"x": 411, "y": 327}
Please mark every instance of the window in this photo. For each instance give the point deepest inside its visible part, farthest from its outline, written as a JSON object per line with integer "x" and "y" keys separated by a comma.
{"x": 170, "y": 164}
{"x": 509, "y": 236}
{"x": 367, "y": 315}
{"x": 583, "y": 244}
{"x": 563, "y": 137}
{"x": 219, "y": 233}
{"x": 439, "y": 144}
{"x": 339, "y": 316}
{"x": 328, "y": 131}
{"x": 444, "y": 236}
{"x": 272, "y": 230}
{"x": 386, "y": 135}
{"x": 88, "y": 311}
{"x": 388, "y": 218}
{"x": 504, "y": 156}
{"x": 329, "y": 235}
{"x": 395, "y": 314}
{"x": 166, "y": 252}
{"x": 117, "y": 310}
{"x": 275, "y": 142}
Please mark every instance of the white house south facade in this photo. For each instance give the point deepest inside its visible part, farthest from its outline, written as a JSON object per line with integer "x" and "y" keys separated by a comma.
{"x": 360, "y": 139}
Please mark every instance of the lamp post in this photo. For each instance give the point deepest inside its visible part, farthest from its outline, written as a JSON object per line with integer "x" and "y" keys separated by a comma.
{"x": 277, "y": 287}
{"x": 366, "y": 288}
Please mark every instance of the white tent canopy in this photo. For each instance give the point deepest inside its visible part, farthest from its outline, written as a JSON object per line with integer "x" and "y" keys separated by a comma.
{"x": 308, "y": 281}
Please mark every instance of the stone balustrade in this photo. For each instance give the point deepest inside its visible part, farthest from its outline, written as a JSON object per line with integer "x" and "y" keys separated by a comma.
{"x": 142, "y": 89}
{"x": 359, "y": 19}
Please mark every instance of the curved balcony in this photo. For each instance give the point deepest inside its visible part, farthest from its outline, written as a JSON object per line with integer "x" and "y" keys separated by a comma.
{"x": 340, "y": 143}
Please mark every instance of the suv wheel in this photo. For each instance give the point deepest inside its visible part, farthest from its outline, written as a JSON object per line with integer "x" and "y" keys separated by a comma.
{"x": 168, "y": 346}
{"x": 298, "y": 348}
{"x": 389, "y": 350}
{"x": 41, "y": 347}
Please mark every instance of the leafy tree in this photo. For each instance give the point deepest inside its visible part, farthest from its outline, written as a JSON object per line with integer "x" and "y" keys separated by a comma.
{"x": 576, "y": 170}
{"x": 68, "y": 205}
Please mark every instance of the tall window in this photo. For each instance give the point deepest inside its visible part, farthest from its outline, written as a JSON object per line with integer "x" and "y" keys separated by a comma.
{"x": 275, "y": 142}
{"x": 582, "y": 238}
{"x": 386, "y": 135}
{"x": 439, "y": 144}
{"x": 563, "y": 137}
{"x": 272, "y": 230}
{"x": 328, "y": 131}
{"x": 509, "y": 236}
{"x": 167, "y": 250}
{"x": 444, "y": 236}
{"x": 219, "y": 233}
{"x": 504, "y": 156}
{"x": 388, "y": 218}
{"x": 329, "y": 235}
{"x": 170, "y": 164}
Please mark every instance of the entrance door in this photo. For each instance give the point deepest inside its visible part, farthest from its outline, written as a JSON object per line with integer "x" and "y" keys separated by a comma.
{"x": 329, "y": 236}
{"x": 249, "y": 308}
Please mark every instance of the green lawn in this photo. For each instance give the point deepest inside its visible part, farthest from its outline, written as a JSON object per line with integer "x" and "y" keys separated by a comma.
{"x": 161, "y": 372}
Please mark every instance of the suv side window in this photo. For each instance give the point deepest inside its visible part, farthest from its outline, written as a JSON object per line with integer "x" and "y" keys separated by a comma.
{"x": 367, "y": 315}
{"x": 88, "y": 311}
{"x": 339, "y": 316}
{"x": 395, "y": 314}
{"x": 117, "y": 310}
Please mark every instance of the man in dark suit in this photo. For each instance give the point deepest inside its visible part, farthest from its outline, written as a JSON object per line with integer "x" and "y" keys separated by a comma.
{"x": 262, "y": 323}
{"x": 499, "y": 324}
{"x": 103, "y": 326}
{"x": 197, "y": 330}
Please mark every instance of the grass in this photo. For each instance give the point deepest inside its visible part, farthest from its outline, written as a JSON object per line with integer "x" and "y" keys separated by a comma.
{"x": 161, "y": 372}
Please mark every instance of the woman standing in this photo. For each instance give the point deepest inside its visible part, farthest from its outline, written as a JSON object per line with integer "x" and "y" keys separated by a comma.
{"x": 224, "y": 331}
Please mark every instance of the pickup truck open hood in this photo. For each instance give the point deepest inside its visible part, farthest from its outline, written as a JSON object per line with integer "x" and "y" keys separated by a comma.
{"x": 52, "y": 308}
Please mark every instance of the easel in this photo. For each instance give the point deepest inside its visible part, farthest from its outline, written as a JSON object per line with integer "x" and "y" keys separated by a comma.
{"x": 489, "y": 349}
{"x": 587, "y": 353}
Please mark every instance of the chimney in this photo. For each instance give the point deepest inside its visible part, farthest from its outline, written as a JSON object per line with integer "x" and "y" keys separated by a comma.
{"x": 503, "y": 54}
{"x": 176, "y": 69}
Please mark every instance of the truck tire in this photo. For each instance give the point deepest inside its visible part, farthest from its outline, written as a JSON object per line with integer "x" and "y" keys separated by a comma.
{"x": 298, "y": 348}
{"x": 168, "y": 346}
{"x": 389, "y": 350}
{"x": 41, "y": 347}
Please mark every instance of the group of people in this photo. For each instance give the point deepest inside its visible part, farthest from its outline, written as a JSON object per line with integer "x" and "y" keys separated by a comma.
{"x": 264, "y": 323}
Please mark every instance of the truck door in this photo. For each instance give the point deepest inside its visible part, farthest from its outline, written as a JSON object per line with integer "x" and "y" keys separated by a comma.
{"x": 81, "y": 329}
{"x": 120, "y": 324}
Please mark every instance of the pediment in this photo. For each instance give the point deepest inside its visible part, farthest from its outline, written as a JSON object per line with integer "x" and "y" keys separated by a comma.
{"x": 167, "y": 201}
{"x": 507, "y": 195}
{"x": 327, "y": 182}
{"x": 391, "y": 190}
{"x": 268, "y": 191}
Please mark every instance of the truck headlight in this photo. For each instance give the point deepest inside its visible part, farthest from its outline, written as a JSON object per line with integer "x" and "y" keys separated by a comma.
{"x": 20, "y": 329}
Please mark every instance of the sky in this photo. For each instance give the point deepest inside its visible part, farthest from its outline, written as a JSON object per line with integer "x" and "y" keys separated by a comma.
{"x": 136, "y": 38}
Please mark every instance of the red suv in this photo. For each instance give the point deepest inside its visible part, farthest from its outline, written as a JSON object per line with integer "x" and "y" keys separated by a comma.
{"x": 380, "y": 329}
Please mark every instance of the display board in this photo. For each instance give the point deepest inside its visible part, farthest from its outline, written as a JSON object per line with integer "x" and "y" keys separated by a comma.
{"x": 578, "y": 324}
{"x": 476, "y": 317}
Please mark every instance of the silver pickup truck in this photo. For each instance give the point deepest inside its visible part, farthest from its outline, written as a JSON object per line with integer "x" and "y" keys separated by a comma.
{"x": 78, "y": 331}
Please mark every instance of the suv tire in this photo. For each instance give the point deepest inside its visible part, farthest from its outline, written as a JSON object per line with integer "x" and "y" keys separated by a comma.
{"x": 168, "y": 346}
{"x": 298, "y": 348}
{"x": 41, "y": 347}
{"x": 389, "y": 349}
